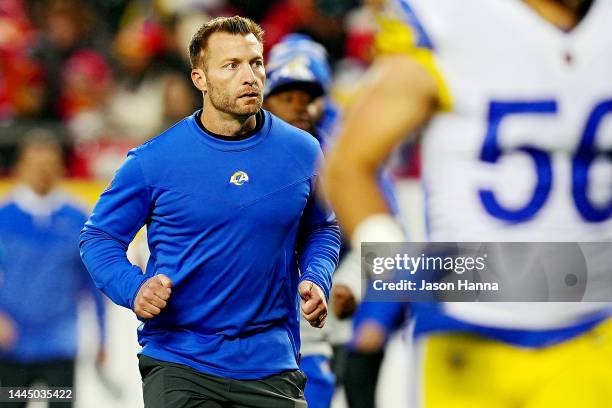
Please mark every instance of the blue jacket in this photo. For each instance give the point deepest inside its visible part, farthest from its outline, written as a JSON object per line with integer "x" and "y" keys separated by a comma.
{"x": 42, "y": 276}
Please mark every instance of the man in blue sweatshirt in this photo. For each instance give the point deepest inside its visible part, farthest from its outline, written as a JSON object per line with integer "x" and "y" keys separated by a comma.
{"x": 238, "y": 240}
{"x": 41, "y": 274}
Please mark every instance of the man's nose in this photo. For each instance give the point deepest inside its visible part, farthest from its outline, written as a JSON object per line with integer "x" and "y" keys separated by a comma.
{"x": 248, "y": 75}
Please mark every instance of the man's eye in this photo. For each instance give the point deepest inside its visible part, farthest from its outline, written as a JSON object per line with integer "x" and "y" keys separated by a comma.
{"x": 232, "y": 65}
{"x": 258, "y": 63}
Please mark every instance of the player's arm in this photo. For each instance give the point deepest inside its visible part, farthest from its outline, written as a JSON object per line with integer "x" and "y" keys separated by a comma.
{"x": 120, "y": 212}
{"x": 374, "y": 322}
{"x": 400, "y": 97}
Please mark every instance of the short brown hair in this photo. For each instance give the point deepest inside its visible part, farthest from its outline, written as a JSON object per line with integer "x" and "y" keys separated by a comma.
{"x": 231, "y": 25}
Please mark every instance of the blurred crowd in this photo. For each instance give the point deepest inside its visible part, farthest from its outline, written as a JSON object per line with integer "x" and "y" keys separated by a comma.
{"x": 106, "y": 75}
{"x": 103, "y": 76}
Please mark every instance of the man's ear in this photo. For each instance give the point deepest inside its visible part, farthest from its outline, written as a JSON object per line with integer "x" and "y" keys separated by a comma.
{"x": 199, "y": 79}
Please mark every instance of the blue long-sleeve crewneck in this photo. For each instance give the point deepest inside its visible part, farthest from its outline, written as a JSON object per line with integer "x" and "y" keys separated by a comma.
{"x": 229, "y": 222}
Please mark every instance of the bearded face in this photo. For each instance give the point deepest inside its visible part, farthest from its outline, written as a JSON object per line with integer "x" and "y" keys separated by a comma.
{"x": 235, "y": 74}
{"x": 244, "y": 100}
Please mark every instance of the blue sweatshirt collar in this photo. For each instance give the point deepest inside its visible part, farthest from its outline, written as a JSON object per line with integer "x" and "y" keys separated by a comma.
{"x": 230, "y": 145}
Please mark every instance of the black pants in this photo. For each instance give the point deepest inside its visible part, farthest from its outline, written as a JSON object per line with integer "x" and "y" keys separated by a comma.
{"x": 170, "y": 385}
{"x": 53, "y": 374}
{"x": 361, "y": 378}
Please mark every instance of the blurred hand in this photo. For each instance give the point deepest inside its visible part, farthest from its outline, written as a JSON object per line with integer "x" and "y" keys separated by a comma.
{"x": 153, "y": 296}
{"x": 343, "y": 301}
{"x": 370, "y": 337}
{"x": 8, "y": 331}
{"x": 101, "y": 356}
{"x": 313, "y": 304}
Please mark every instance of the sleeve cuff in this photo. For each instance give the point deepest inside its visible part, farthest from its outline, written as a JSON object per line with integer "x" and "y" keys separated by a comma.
{"x": 314, "y": 278}
{"x": 137, "y": 284}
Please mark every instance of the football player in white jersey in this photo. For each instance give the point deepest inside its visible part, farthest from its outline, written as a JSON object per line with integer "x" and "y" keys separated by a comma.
{"x": 514, "y": 99}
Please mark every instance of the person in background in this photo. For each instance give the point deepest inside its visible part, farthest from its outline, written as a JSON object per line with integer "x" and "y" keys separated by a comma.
{"x": 136, "y": 107}
{"x": 298, "y": 84}
{"x": 66, "y": 28}
{"x": 298, "y": 79}
{"x": 41, "y": 274}
{"x": 507, "y": 93}
{"x": 21, "y": 87}
{"x": 87, "y": 85}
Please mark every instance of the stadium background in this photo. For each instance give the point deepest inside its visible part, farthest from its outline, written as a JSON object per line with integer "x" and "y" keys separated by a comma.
{"x": 106, "y": 75}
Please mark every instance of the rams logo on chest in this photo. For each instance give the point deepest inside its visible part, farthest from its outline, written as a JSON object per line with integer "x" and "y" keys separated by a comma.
{"x": 239, "y": 178}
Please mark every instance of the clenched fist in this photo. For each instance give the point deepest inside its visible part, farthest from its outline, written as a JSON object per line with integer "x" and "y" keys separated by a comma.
{"x": 153, "y": 296}
{"x": 314, "y": 305}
